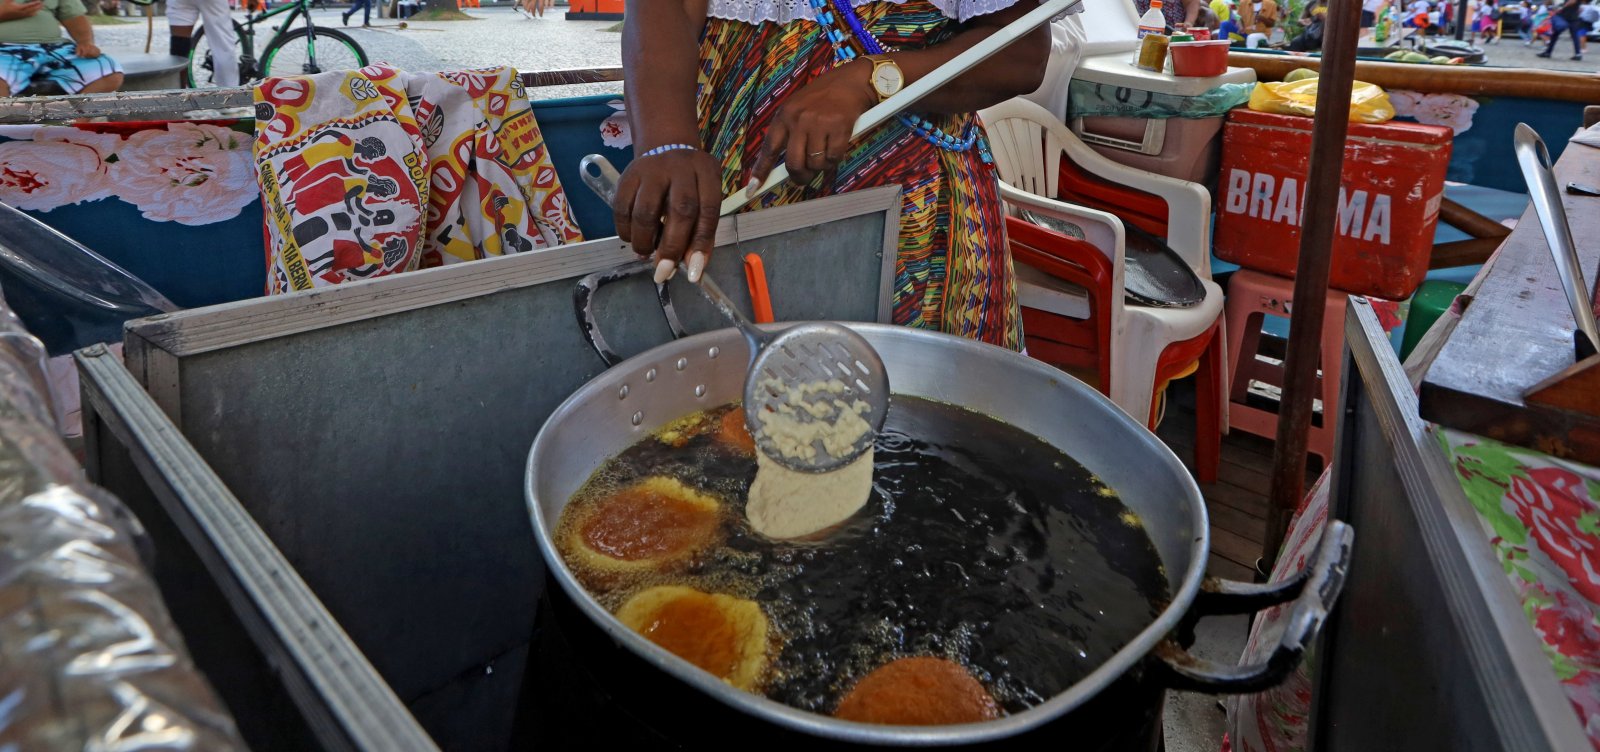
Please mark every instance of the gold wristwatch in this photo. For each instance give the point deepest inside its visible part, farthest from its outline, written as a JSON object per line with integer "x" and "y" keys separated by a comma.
{"x": 887, "y": 78}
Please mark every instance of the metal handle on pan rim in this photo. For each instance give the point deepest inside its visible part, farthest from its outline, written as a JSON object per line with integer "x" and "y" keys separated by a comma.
{"x": 602, "y": 178}
{"x": 1314, "y": 592}
{"x": 583, "y": 306}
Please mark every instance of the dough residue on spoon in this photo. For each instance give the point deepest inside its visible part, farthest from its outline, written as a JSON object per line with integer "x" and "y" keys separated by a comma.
{"x": 811, "y": 414}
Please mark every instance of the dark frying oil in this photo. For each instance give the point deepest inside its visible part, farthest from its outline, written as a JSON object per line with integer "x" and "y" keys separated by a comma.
{"x": 981, "y": 543}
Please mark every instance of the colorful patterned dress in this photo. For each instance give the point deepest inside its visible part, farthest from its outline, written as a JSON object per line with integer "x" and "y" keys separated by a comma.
{"x": 954, "y": 269}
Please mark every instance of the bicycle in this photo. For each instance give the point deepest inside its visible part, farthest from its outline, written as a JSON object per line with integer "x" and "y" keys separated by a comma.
{"x": 309, "y": 49}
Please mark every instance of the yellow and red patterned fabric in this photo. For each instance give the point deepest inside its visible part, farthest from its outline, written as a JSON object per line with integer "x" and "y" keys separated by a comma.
{"x": 953, "y": 272}
{"x": 377, "y": 171}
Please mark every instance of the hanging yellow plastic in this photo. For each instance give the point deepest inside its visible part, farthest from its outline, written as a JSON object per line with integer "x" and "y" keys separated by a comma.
{"x": 1368, "y": 102}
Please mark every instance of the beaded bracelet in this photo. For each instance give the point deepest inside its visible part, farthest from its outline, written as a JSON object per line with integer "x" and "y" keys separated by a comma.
{"x": 664, "y": 148}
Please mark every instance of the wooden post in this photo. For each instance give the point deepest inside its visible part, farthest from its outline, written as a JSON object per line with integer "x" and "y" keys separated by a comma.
{"x": 1311, "y": 276}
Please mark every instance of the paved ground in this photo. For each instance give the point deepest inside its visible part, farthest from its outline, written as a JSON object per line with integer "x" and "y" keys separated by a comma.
{"x": 505, "y": 36}
{"x": 497, "y": 36}
{"x": 1513, "y": 52}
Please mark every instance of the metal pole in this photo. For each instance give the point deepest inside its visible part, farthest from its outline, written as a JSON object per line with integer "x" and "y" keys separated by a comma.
{"x": 1311, "y": 277}
{"x": 1461, "y": 20}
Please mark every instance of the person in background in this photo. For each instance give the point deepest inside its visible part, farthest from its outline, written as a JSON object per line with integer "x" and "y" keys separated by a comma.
{"x": 1207, "y": 19}
{"x": 1588, "y": 16}
{"x": 31, "y": 45}
{"x": 1313, "y": 20}
{"x": 1487, "y": 22}
{"x": 1417, "y": 14}
{"x": 1532, "y": 14}
{"x": 1257, "y": 18}
{"x": 1228, "y": 28}
{"x": 1565, "y": 19}
{"x": 1369, "y": 12}
{"x": 365, "y": 6}
{"x": 220, "y": 36}
{"x": 1176, "y": 11}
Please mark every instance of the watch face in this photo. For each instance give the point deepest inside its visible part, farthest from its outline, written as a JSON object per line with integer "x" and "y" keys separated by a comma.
{"x": 887, "y": 79}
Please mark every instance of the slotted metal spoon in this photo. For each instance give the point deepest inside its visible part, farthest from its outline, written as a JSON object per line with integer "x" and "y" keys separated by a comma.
{"x": 790, "y": 365}
{"x": 790, "y": 368}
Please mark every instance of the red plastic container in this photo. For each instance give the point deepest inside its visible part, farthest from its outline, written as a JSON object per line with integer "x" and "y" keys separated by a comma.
{"x": 1392, "y": 184}
{"x": 1207, "y": 58}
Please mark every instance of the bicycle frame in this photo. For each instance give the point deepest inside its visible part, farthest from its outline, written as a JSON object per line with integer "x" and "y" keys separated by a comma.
{"x": 295, "y": 10}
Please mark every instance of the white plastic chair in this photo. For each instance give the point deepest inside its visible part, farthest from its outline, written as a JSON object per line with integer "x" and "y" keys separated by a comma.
{"x": 1028, "y": 144}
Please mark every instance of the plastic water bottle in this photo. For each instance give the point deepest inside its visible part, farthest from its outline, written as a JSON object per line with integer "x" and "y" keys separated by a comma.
{"x": 1152, "y": 22}
{"x": 1380, "y": 30}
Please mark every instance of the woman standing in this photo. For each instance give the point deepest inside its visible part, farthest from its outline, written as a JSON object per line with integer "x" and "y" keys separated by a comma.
{"x": 722, "y": 91}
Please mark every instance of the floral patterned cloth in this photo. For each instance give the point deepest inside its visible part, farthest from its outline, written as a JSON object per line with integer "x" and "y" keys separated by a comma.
{"x": 1542, "y": 517}
{"x": 192, "y": 173}
{"x": 1451, "y": 110}
{"x": 373, "y": 172}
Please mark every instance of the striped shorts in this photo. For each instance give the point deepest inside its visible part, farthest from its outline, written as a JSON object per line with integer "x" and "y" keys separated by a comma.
{"x": 56, "y": 61}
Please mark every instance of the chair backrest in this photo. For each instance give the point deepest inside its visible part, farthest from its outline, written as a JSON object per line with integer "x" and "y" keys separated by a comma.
{"x": 1027, "y": 149}
{"x": 1082, "y": 346}
{"x": 1029, "y": 143}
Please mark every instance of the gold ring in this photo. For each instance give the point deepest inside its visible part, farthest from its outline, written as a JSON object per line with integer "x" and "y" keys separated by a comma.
{"x": 817, "y": 153}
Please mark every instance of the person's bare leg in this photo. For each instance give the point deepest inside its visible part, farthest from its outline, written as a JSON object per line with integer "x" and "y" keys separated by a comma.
{"x": 103, "y": 85}
{"x": 5, "y": 89}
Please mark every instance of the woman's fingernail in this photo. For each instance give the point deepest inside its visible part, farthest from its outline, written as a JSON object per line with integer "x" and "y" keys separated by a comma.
{"x": 665, "y": 268}
{"x": 697, "y": 265}
{"x": 751, "y": 188}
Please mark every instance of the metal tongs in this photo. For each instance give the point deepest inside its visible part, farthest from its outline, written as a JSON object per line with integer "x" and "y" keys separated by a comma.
{"x": 1534, "y": 159}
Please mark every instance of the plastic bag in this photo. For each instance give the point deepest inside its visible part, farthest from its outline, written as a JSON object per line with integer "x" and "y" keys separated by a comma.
{"x": 1089, "y": 99}
{"x": 1368, "y": 102}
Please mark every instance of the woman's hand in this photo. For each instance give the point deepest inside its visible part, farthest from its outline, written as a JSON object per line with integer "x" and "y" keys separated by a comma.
{"x": 667, "y": 207}
{"x": 811, "y": 132}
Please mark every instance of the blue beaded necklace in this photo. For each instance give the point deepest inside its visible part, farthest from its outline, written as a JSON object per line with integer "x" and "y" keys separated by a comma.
{"x": 843, "y": 53}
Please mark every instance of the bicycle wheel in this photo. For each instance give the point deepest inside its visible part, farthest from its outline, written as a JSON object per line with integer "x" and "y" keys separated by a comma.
{"x": 291, "y": 54}
{"x": 201, "y": 71}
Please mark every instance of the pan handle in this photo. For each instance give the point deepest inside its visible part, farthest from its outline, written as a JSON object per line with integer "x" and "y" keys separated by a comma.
{"x": 1313, "y": 591}
{"x": 589, "y": 325}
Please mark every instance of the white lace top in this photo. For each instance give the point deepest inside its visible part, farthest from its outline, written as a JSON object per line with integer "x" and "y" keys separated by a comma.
{"x": 784, "y": 11}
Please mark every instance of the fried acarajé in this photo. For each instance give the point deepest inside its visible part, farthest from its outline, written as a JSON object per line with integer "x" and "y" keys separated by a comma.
{"x": 732, "y": 433}
{"x": 647, "y": 525}
{"x": 919, "y": 691}
{"x": 723, "y": 635}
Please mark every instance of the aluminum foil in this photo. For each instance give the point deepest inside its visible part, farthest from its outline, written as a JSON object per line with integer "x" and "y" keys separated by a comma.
{"x": 89, "y": 658}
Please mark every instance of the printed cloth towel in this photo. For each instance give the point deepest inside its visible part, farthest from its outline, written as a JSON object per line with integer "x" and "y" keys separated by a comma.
{"x": 1541, "y": 515}
{"x": 1276, "y": 720}
{"x": 377, "y": 171}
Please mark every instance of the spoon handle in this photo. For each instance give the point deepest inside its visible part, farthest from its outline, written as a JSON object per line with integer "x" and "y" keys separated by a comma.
{"x": 757, "y": 338}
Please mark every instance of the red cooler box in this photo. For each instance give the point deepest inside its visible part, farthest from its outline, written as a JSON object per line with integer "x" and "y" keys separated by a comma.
{"x": 1393, "y": 182}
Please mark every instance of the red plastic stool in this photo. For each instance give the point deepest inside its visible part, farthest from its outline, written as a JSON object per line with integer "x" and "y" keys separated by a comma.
{"x": 1252, "y": 296}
